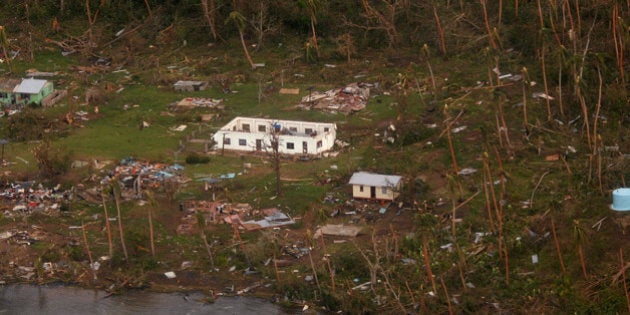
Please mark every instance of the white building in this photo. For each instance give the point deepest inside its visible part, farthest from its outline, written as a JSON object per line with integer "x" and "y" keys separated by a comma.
{"x": 375, "y": 186}
{"x": 295, "y": 137}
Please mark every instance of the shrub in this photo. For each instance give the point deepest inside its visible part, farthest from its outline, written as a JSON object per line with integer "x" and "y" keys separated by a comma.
{"x": 195, "y": 158}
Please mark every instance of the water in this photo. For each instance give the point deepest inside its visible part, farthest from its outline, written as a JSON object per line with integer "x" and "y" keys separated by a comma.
{"x": 68, "y": 300}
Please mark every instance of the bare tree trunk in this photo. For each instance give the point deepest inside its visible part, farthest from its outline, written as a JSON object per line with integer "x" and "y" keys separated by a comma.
{"x": 209, "y": 8}
{"x": 427, "y": 264}
{"x": 249, "y": 58}
{"x": 327, "y": 257}
{"x": 544, "y": 75}
{"x": 555, "y": 239}
{"x": 625, "y": 283}
{"x": 493, "y": 45}
{"x": 116, "y": 190}
{"x": 87, "y": 248}
{"x": 204, "y": 238}
{"x": 439, "y": 29}
{"x": 109, "y": 229}
{"x": 525, "y": 82}
{"x": 146, "y": 3}
{"x": 310, "y": 258}
{"x": 314, "y": 35}
{"x": 275, "y": 151}
{"x": 151, "y": 238}
{"x": 448, "y": 298}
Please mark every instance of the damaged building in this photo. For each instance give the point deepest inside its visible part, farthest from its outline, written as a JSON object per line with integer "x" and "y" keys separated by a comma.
{"x": 294, "y": 137}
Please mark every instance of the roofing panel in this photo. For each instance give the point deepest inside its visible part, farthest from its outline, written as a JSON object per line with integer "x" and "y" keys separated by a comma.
{"x": 30, "y": 86}
{"x": 372, "y": 179}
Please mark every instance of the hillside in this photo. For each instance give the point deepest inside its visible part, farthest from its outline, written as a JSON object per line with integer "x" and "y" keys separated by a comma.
{"x": 507, "y": 121}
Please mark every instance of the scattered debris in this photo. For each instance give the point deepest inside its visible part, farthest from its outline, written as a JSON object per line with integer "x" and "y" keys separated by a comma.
{"x": 542, "y": 95}
{"x": 351, "y": 98}
{"x": 170, "y": 275}
{"x": 190, "y": 86}
{"x": 179, "y": 128}
{"x": 200, "y": 102}
{"x": 289, "y": 91}
{"x": 338, "y": 230}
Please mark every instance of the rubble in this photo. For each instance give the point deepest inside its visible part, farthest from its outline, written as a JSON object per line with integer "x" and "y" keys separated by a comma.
{"x": 190, "y": 86}
{"x": 351, "y": 98}
{"x": 273, "y": 218}
{"x": 200, "y": 102}
{"x": 25, "y": 198}
{"x": 338, "y": 230}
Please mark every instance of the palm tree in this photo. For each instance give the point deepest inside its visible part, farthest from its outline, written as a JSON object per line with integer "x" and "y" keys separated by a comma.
{"x": 313, "y": 7}
{"x": 239, "y": 21}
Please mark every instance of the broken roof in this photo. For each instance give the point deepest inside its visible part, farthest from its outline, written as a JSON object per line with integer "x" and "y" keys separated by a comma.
{"x": 372, "y": 179}
{"x": 30, "y": 86}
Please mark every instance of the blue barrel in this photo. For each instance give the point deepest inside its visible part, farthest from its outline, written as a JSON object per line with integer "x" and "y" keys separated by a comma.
{"x": 621, "y": 199}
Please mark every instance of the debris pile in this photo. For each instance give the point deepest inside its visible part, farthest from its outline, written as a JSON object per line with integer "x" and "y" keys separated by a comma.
{"x": 200, "y": 102}
{"x": 24, "y": 198}
{"x": 351, "y": 98}
{"x": 273, "y": 218}
{"x": 135, "y": 175}
{"x": 213, "y": 212}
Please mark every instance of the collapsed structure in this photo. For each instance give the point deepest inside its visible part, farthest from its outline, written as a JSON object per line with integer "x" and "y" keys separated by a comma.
{"x": 294, "y": 137}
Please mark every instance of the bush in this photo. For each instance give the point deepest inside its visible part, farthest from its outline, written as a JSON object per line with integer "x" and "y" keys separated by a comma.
{"x": 195, "y": 158}
{"x": 52, "y": 162}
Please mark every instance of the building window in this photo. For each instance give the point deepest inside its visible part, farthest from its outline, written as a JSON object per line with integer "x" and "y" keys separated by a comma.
{"x": 227, "y": 141}
{"x": 290, "y": 146}
{"x": 361, "y": 188}
{"x": 246, "y": 127}
{"x": 319, "y": 144}
{"x": 384, "y": 190}
{"x": 293, "y": 129}
{"x": 308, "y": 131}
{"x": 326, "y": 129}
{"x": 242, "y": 142}
{"x": 262, "y": 128}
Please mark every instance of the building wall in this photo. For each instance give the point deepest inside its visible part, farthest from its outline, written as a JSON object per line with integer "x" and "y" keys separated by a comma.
{"x": 47, "y": 89}
{"x": 252, "y": 134}
{"x": 381, "y": 193}
{"x": 5, "y": 98}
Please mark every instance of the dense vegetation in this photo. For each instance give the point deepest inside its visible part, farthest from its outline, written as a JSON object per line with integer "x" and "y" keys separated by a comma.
{"x": 539, "y": 88}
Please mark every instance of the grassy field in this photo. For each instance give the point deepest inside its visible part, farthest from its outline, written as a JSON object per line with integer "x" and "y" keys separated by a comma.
{"x": 521, "y": 198}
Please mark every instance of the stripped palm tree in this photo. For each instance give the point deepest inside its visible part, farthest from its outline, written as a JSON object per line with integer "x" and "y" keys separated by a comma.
{"x": 239, "y": 20}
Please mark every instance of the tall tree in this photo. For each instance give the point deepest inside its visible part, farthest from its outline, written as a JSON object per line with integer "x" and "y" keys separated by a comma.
{"x": 209, "y": 8}
{"x": 239, "y": 21}
{"x": 313, "y": 7}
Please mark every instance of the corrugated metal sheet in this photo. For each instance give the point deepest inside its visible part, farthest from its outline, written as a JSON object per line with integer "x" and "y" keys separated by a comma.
{"x": 30, "y": 86}
{"x": 372, "y": 179}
